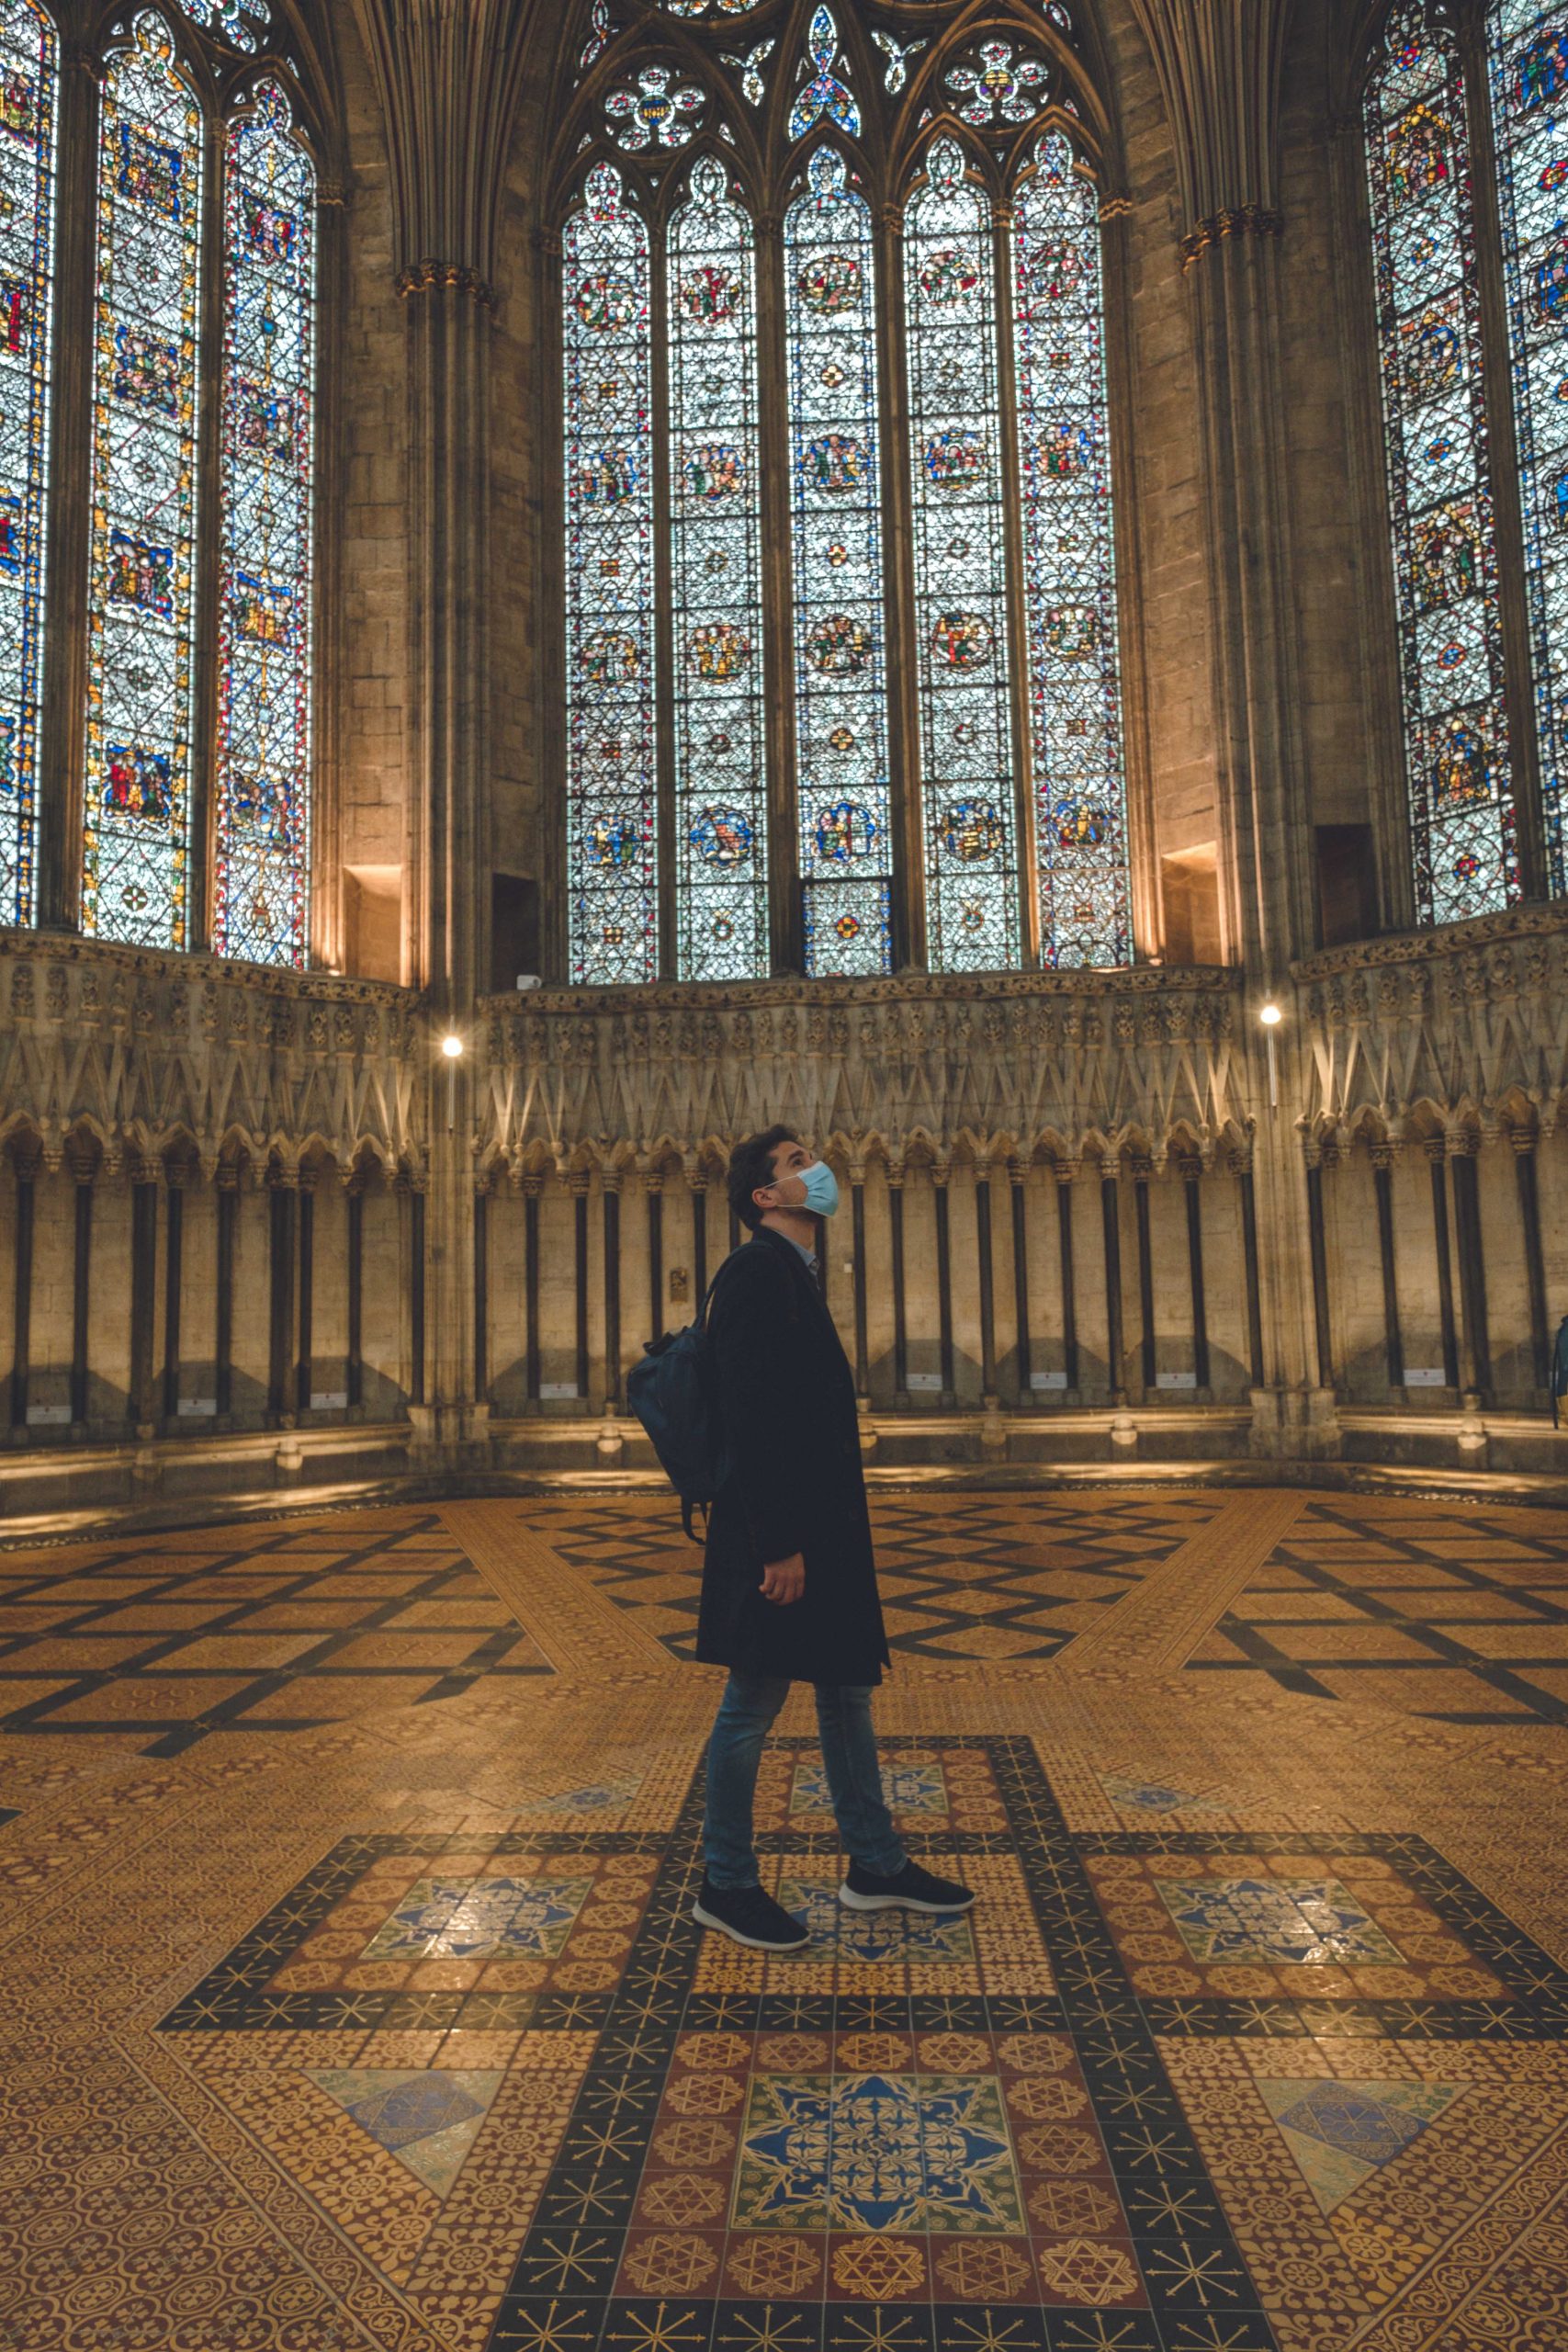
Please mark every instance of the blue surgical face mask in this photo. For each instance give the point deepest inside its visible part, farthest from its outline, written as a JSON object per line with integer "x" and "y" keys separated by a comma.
{"x": 821, "y": 1187}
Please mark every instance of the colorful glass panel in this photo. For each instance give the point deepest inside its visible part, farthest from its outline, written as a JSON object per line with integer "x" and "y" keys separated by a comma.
{"x": 1528, "y": 54}
{"x": 1457, "y": 760}
{"x": 612, "y": 853}
{"x": 823, "y": 99}
{"x": 1075, "y": 680}
{"x": 136, "y": 819}
{"x": 28, "y": 68}
{"x": 960, "y": 546}
{"x": 840, "y": 694}
{"x": 263, "y": 834}
{"x": 243, "y": 22}
{"x": 716, "y": 572}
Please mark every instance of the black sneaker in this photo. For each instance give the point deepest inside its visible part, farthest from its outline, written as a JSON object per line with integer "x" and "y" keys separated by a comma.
{"x": 746, "y": 1915}
{"x": 910, "y": 1889}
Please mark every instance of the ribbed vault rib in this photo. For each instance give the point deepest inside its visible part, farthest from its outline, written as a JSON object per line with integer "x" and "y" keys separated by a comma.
{"x": 1219, "y": 63}
{"x": 448, "y": 73}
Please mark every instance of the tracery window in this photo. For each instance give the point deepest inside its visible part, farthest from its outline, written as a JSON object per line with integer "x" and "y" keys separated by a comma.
{"x": 192, "y": 780}
{"x": 842, "y": 677}
{"x": 1476, "y": 737}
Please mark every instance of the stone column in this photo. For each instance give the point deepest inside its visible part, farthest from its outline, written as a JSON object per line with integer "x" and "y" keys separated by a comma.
{"x": 1219, "y": 67}
{"x": 448, "y": 79}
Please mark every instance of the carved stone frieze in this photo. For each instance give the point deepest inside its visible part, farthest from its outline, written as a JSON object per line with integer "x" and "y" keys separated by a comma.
{"x": 989, "y": 1067}
{"x": 146, "y": 1051}
{"x": 1464, "y": 1027}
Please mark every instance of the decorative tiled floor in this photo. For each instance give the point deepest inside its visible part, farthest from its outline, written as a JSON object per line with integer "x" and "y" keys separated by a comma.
{"x": 1448, "y": 1612}
{"x": 395, "y": 2029}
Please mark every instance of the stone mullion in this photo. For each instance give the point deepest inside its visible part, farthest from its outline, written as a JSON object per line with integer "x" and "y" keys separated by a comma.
{"x": 201, "y": 868}
{"x": 667, "y": 965}
{"x": 555, "y": 942}
{"x": 62, "y": 736}
{"x": 1122, "y": 408}
{"x": 329, "y": 687}
{"x": 1503, "y": 464}
{"x": 1004, "y": 219}
{"x": 899, "y": 609}
{"x": 785, "y": 915}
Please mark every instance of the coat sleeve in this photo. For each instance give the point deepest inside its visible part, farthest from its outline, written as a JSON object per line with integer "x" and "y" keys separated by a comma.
{"x": 748, "y": 1329}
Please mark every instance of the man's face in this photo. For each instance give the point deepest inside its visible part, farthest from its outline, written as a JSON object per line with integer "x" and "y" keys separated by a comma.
{"x": 787, "y": 1190}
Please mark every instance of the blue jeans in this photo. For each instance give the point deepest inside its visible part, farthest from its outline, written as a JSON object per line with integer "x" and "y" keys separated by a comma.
{"x": 849, "y": 1751}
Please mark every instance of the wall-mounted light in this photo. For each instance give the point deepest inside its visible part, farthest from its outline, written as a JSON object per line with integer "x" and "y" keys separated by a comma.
{"x": 452, "y": 1049}
{"x": 1269, "y": 1015}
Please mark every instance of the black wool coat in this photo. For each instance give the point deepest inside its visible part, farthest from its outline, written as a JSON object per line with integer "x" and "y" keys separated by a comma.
{"x": 793, "y": 1481}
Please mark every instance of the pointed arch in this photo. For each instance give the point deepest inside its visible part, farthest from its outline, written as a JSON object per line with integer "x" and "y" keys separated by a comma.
{"x": 840, "y": 626}
{"x": 1072, "y": 624}
{"x": 716, "y": 571}
{"x": 611, "y": 846}
{"x": 1459, "y": 757}
{"x": 147, "y": 377}
{"x": 955, "y": 458}
{"x": 266, "y": 588}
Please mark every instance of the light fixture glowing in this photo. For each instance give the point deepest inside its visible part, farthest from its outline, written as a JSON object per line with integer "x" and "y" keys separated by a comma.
{"x": 452, "y": 1045}
{"x": 1270, "y": 1014}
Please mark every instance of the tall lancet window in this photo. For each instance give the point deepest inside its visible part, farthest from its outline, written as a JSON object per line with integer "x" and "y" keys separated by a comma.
{"x": 29, "y": 69}
{"x": 842, "y": 656}
{"x": 265, "y": 593}
{"x": 716, "y": 566}
{"x": 612, "y": 848}
{"x": 841, "y": 664}
{"x": 1459, "y": 758}
{"x": 1529, "y": 65}
{"x": 960, "y": 549}
{"x": 1064, "y": 452}
{"x": 141, "y": 587}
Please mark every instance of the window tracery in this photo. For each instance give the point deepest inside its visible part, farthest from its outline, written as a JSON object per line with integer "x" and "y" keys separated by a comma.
{"x": 917, "y": 371}
{"x": 1458, "y": 749}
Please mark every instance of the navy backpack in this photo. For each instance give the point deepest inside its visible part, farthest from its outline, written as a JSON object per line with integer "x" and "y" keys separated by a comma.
{"x": 671, "y": 1391}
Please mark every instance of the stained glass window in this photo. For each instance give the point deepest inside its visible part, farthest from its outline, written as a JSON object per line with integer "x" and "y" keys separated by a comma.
{"x": 240, "y": 21}
{"x": 1074, "y": 692}
{"x": 612, "y": 858}
{"x": 265, "y": 629}
{"x": 840, "y": 694}
{"x": 1456, "y": 735}
{"x": 1528, "y": 54}
{"x": 136, "y": 820}
{"x": 28, "y": 86}
{"x": 716, "y": 587}
{"x": 960, "y": 546}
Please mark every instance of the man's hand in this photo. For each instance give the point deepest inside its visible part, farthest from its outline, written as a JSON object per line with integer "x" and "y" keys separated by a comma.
{"x": 784, "y": 1580}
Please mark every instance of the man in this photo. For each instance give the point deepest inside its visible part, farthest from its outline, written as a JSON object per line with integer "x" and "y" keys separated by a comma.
{"x": 789, "y": 1583}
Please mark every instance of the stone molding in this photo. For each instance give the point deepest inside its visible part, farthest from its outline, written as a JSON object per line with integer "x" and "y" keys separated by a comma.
{"x": 1461, "y": 1031}
{"x": 1067, "y": 1063}
{"x": 145, "y": 1052}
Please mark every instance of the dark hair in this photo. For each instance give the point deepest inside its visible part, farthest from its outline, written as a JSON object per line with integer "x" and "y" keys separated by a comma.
{"x": 752, "y": 1168}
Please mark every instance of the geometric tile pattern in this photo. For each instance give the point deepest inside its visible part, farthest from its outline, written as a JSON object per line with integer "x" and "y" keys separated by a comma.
{"x": 1342, "y": 2132}
{"x": 976, "y": 1577}
{"x": 429, "y": 2120}
{"x": 1457, "y": 1611}
{"x": 162, "y": 1641}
